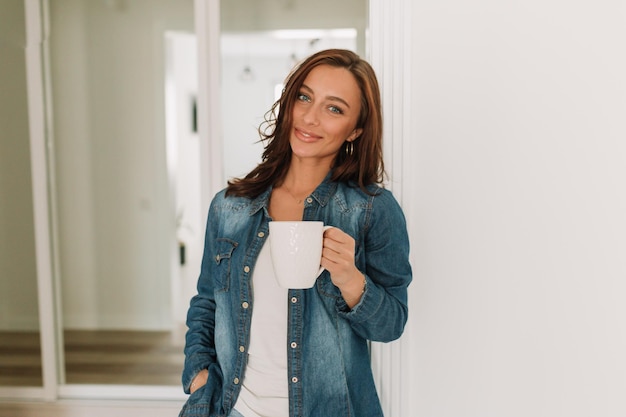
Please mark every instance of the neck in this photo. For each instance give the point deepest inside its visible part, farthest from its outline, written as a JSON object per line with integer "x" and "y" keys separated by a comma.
{"x": 303, "y": 178}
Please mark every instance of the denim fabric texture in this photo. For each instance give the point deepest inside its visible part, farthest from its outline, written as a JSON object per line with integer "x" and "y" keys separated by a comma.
{"x": 328, "y": 355}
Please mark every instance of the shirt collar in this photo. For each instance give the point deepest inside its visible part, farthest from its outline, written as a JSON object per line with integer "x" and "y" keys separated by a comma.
{"x": 325, "y": 190}
{"x": 321, "y": 194}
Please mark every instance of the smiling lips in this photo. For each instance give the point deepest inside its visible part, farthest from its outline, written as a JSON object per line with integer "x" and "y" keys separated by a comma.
{"x": 306, "y": 136}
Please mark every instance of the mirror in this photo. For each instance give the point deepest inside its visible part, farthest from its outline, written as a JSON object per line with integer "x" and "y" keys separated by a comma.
{"x": 20, "y": 352}
{"x": 130, "y": 225}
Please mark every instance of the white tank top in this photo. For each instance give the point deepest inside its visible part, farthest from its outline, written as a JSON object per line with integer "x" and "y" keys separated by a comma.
{"x": 265, "y": 391}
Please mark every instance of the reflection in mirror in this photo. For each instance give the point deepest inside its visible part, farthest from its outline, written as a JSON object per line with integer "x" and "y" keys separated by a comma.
{"x": 116, "y": 223}
{"x": 261, "y": 41}
{"x": 20, "y": 353}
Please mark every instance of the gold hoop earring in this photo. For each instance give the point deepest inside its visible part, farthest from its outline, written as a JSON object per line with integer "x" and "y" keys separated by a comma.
{"x": 349, "y": 148}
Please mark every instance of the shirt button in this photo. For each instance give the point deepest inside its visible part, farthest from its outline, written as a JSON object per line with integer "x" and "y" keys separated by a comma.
{"x": 246, "y": 269}
{"x": 236, "y": 381}
{"x": 261, "y": 234}
{"x": 242, "y": 349}
{"x": 294, "y": 379}
{"x": 294, "y": 300}
{"x": 294, "y": 345}
{"x": 309, "y": 200}
{"x": 245, "y": 304}
{"x": 217, "y": 258}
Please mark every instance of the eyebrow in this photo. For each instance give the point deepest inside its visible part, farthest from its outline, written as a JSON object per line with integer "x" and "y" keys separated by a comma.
{"x": 333, "y": 98}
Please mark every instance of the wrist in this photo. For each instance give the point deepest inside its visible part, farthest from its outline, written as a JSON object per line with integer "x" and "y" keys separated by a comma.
{"x": 353, "y": 290}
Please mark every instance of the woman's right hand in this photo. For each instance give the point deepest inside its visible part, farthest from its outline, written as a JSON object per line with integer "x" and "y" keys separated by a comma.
{"x": 199, "y": 380}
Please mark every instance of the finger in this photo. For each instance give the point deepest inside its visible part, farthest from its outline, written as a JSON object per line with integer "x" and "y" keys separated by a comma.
{"x": 338, "y": 252}
{"x": 340, "y": 244}
{"x": 331, "y": 255}
{"x": 338, "y": 260}
{"x": 332, "y": 244}
{"x": 336, "y": 234}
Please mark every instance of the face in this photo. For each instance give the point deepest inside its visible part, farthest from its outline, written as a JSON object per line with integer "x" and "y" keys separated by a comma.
{"x": 325, "y": 114}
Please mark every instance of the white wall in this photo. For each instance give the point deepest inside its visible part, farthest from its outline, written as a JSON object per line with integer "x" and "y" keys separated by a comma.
{"x": 518, "y": 218}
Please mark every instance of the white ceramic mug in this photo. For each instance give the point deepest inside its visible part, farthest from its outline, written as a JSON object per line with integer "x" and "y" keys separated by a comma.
{"x": 296, "y": 248}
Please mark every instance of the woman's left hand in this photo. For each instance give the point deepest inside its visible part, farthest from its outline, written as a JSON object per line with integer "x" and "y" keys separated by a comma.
{"x": 338, "y": 260}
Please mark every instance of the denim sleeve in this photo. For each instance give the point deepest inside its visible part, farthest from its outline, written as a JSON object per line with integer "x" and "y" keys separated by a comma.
{"x": 200, "y": 343}
{"x": 382, "y": 312}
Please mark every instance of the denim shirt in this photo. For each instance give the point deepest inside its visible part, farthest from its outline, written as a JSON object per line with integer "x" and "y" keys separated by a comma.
{"x": 327, "y": 351}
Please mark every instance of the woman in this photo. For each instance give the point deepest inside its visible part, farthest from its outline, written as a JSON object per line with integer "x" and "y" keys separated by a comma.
{"x": 255, "y": 349}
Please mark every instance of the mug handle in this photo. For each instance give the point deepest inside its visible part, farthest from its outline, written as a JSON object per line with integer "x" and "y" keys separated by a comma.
{"x": 321, "y": 267}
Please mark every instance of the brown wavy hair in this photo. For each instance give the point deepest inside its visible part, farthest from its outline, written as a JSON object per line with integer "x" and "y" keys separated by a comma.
{"x": 362, "y": 166}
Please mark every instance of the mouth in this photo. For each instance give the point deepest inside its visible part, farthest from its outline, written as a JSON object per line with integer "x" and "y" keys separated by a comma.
{"x": 306, "y": 136}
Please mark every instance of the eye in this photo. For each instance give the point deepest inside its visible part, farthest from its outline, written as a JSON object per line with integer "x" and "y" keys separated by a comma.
{"x": 303, "y": 97}
{"x": 335, "y": 109}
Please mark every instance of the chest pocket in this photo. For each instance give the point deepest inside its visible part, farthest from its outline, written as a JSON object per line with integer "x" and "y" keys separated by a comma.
{"x": 223, "y": 259}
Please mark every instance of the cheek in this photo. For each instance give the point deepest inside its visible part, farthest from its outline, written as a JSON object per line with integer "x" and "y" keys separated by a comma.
{"x": 345, "y": 130}
{"x": 297, "y": 109}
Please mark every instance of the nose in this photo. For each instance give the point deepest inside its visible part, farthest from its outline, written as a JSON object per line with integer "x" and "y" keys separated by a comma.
{"x": 310, "y": 115}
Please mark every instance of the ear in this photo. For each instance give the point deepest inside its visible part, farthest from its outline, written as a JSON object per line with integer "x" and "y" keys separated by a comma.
{"x": 355, "y": 134}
